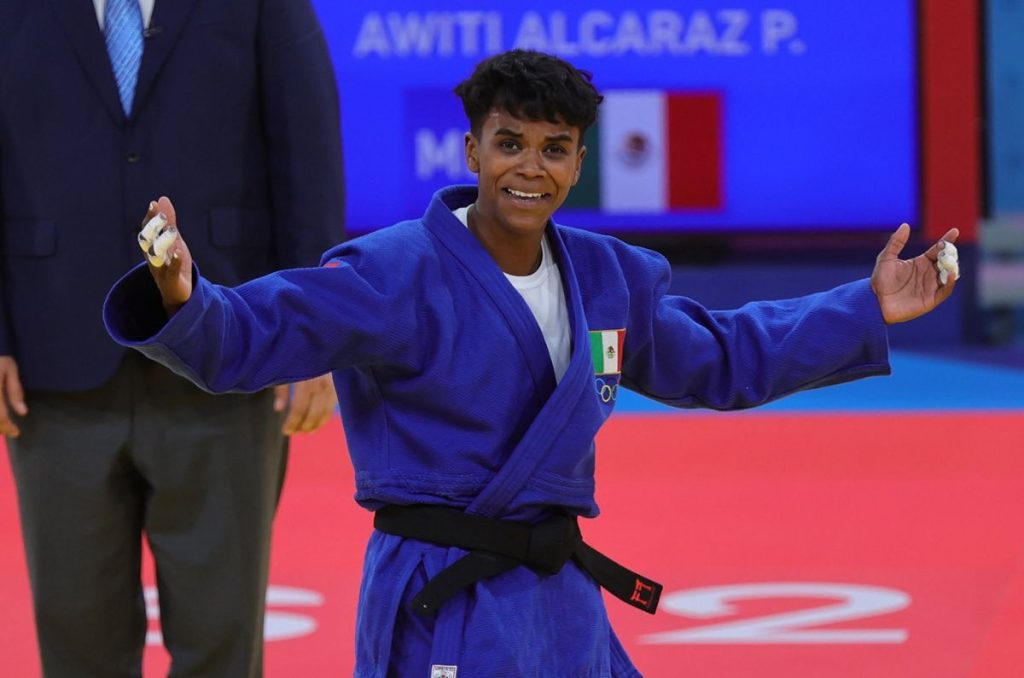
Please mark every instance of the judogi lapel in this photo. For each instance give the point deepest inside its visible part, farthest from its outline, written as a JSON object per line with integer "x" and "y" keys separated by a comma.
{"x": 531, "y": 448}
{"x": 539, "y": 437}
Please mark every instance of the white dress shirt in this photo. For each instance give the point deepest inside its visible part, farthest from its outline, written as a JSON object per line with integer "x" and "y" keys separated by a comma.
{"x": 145, "y": 5}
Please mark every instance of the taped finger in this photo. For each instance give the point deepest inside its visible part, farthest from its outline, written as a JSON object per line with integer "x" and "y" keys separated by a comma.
{"x": 152, "y": 230}
{"x": 164, "y": 242}
{"x": 947, "y": 262}
{"x": 156, "y": 238}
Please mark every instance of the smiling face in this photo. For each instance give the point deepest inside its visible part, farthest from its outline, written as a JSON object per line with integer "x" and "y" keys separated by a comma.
{"x": 525, "y": 169}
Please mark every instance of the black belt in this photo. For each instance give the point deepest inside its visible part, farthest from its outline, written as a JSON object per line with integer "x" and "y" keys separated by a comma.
{"x": 496, "y": 546}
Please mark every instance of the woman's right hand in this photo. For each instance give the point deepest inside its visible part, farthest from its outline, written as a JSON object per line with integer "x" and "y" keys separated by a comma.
{"x": 169, "y": 259}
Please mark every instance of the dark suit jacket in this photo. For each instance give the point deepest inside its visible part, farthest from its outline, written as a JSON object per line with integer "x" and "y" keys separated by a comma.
{"x": 235, "y": 118}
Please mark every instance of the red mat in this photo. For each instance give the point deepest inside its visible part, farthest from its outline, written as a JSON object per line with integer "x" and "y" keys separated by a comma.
{"x": 789, "y": 545}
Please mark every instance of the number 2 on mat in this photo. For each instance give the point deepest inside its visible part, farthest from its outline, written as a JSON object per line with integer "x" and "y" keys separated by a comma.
{"x": 793, "y": 627}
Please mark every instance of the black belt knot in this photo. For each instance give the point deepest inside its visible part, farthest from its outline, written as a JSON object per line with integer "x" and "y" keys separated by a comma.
{"x": 496, "y": 546}
{"x": 552, "y": 543}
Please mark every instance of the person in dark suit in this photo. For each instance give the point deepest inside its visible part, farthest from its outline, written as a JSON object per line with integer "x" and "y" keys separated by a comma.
{"x": 230, "y": 106}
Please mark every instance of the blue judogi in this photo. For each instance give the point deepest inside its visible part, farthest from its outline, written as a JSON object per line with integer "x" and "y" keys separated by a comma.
{"x": 448, "y": 397}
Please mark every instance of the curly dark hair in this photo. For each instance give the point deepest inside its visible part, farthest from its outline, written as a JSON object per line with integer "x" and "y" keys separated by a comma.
{"x": 531, "y": 86}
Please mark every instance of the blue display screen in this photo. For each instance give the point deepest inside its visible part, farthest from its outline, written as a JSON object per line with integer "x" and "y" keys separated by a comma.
{"x": 719, "y": 116}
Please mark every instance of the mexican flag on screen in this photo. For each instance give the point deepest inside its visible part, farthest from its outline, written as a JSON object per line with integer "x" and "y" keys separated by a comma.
{"x": 653, "y": 151}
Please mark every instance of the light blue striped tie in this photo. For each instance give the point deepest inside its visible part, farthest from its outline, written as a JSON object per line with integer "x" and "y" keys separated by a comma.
{"x": 122, "y": 28}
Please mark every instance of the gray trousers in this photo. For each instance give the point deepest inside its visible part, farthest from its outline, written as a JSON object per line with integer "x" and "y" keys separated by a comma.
{"x": 148, "y": 453}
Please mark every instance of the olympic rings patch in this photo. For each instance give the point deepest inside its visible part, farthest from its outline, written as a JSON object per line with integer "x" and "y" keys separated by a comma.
{"x": 607, "y": 388}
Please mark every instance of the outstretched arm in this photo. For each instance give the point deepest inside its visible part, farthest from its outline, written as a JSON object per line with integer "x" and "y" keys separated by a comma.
{"x": 287, "y": 326}
{"x": 909, "y": 288}
{"x": 309, "y": 403}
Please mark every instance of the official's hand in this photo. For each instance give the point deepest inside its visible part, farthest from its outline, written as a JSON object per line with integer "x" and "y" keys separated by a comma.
{"x": 908, "y": 288}
{"x": 169, "y": 259}
{"x": 12, "y": 397}
{"x": 311, "y": 404}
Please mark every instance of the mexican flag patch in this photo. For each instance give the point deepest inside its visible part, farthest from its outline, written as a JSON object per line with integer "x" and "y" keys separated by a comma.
{"x": 606, "y": 350}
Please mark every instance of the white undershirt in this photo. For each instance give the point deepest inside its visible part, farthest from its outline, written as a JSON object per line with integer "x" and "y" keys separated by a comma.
{"x": 145, "y": 5}
{"x": 542, "y": 291}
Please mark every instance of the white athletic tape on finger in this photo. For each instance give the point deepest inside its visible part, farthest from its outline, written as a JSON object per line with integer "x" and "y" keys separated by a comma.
{"x": 164, "y": 242}
{"x": 151, "y": 231}
{"x": 948, "y": 261}
{"x": 156, "y": 238}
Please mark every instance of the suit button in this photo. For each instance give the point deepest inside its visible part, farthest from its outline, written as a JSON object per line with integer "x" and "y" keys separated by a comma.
{"x": 132, "y": 157}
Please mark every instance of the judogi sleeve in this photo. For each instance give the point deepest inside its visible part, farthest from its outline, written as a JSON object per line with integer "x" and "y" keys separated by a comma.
{"x": 685, "y": 355}
{"x": 284, "y": 327}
